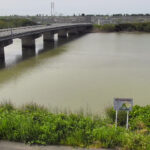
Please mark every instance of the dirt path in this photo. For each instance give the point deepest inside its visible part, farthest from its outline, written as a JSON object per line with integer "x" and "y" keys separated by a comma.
{"x": 4, "y": 145}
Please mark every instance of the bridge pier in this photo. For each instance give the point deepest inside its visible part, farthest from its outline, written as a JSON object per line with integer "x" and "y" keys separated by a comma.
{"x": 48, "y": 37}
{"x": 2, "y": 53}
{"x": 88, "y": 29}
{"x": 28, "y": 46}
{"x": 62, "y": 34}
{"x": 73, "y": 32}
{"x": 48, "y": 45}
{"x": 82, "y": 30}
{"x": 28, "y": 52}
{"x": 29, "y": 41}
{"x": 2, "y": 57}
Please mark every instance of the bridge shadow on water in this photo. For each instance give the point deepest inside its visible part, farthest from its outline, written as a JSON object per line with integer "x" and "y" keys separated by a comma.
{"x": 31, "y": 52}
{"x": 57, "y": 43}
{"x": 50, "y": 49}
{"x": 2, "y": 62}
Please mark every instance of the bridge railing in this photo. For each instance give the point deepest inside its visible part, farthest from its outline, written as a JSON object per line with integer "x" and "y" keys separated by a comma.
{"x": 10, "y": 31}
{"x": 26, "y": 27}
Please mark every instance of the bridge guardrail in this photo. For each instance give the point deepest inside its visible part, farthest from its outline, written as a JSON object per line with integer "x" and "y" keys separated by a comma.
{"x": 26, "y": 27}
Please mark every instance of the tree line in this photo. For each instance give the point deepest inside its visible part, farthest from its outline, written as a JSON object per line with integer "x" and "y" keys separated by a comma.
{"x": 8, "y": 22}
{"x": 142, "y": 27}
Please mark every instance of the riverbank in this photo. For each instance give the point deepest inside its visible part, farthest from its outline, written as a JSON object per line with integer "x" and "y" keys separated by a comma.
{"x": 34, "y": 124}
{"x": 8, "y": 22}
{"x": 129, "y": 27}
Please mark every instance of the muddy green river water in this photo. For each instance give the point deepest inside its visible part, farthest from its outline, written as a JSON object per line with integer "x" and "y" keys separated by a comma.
{"x": 87, "y": 72}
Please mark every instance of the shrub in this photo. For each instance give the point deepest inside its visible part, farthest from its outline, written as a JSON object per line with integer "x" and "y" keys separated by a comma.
{"x": 9, "y": 22}
{"x": 142, "y": 27}
{"x": 135, "y": 141}
{"x": 122, "y": 115}
{"x": 140, "y": 117}
{"x": 35, "y": 125}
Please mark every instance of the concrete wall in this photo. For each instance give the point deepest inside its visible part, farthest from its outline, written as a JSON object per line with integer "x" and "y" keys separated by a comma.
{"x": 91, "y": 19}
{"x": 119, "y": 19}
{"x": 61, "y": 19}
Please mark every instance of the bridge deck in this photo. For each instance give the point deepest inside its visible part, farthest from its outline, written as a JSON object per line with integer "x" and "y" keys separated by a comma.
{"x": 12, "y": 33}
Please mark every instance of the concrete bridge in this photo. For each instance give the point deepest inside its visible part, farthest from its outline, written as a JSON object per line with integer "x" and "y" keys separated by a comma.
{"x": 30, "y": 33}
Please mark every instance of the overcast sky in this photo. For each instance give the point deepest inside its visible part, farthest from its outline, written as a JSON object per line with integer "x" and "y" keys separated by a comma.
{"x": 70, "y": 7}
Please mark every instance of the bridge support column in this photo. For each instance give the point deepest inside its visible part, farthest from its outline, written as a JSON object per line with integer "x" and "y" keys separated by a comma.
{"x": 29, "y": 41}
{"x": 73, "y": 32}
{"x": 48, "y": 37}
{"x": 2, "y": 53}
{"x": 87, "y": 29}
{"x": 82, "y": 30}
{"x": 62, "y": 34}
{"x": 48, "y": 45}
{"x": 2, "y": 57}
{"x": 28, "y": 52}
{"x": 28, "y": 46}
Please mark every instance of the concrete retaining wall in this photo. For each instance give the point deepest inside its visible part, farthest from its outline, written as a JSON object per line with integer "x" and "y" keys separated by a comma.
{"x": 90, "y": 19}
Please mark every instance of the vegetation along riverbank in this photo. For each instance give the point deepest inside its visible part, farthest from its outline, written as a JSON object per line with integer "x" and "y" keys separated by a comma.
{"x": 140, "y": 27}
{"x": 8, "y": 22}
{"x": 34, "y": 124}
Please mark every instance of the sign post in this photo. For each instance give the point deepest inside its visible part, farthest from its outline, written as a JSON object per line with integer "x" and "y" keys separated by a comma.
{"x": 116, "y": 117}
{"x": 127, "y": 125}
{"x": 124, "y": 104}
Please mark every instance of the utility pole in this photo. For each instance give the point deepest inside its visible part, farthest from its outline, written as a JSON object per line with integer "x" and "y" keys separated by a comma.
{"x": 52, "y": 8}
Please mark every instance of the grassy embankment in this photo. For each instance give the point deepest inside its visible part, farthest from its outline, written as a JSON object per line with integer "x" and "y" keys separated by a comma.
{"x": 140, "y": 27}
{"x": 8, "y": 22}
{"x": 34, "y": 124}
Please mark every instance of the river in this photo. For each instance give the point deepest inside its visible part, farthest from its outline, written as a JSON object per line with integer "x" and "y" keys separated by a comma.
{"x": 87, "y": 72}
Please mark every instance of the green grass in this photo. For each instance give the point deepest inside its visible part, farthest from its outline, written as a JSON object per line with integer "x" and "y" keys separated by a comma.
{"x": 8, "y": 22}
{"x": 141, "y": 27}
{"x": 34, "y": 124}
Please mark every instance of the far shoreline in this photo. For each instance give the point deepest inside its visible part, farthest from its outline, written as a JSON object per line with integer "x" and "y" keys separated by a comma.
{"x": 135, "y": 32}
{"x": 122, "y": 28}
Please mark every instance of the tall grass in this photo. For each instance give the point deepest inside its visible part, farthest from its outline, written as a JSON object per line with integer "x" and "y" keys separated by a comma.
{"x": 34, "y": 124}
{"x": 10, "y": 22}
{"x": 142, "y": 27}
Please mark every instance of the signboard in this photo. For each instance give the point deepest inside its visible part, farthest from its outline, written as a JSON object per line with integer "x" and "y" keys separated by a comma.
{"x": 125, "y": 104}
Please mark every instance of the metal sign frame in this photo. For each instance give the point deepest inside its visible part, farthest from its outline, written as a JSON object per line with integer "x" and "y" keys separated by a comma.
{"x": 124, "y": 104}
